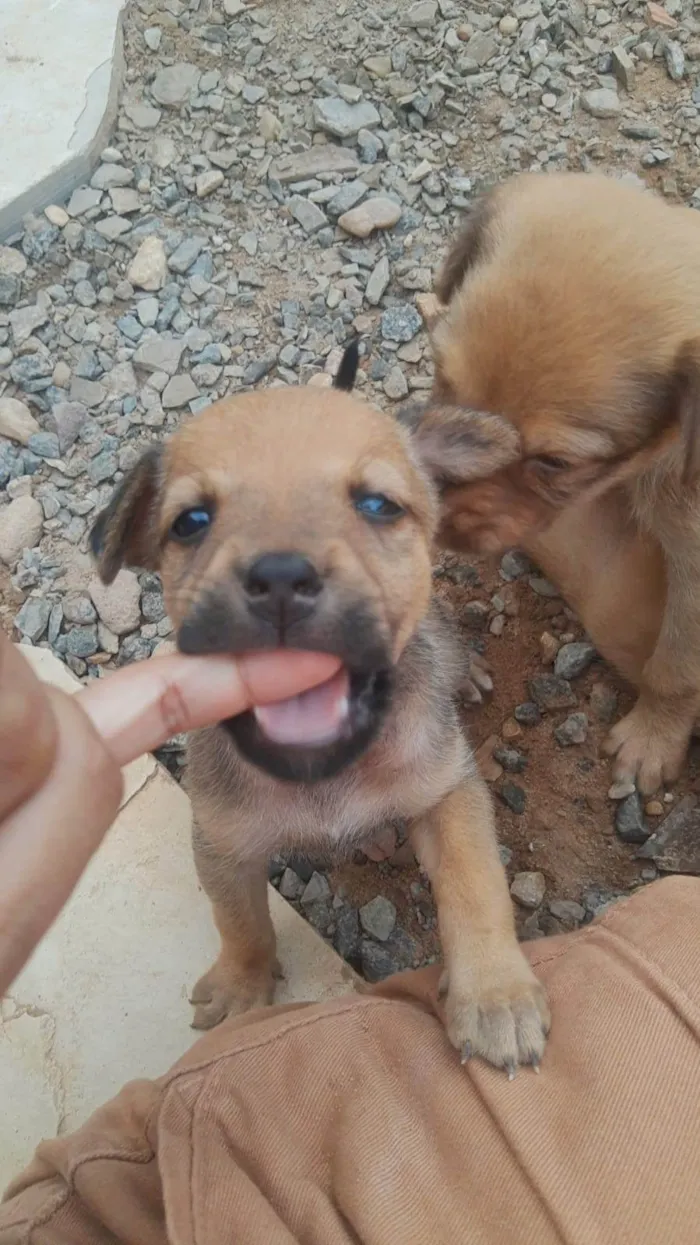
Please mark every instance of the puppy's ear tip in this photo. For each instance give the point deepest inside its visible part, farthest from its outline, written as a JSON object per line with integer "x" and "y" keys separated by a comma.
{"x": 347, "y": 372}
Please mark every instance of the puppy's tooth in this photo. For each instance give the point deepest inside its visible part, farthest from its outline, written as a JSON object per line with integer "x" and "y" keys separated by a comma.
{"x": 343, "y": 708}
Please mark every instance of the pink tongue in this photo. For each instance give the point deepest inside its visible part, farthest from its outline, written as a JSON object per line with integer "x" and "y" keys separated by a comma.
{"x": 312, "y": 719}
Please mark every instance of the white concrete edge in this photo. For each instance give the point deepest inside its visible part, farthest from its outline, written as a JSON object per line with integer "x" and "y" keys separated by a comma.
{"x": 89, "y": 138}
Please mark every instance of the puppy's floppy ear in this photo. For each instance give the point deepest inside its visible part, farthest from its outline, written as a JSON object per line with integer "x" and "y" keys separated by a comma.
{"x": 347, "y": 372}
{"x": 457, "y": 445}
{"x": 125, "y": 531}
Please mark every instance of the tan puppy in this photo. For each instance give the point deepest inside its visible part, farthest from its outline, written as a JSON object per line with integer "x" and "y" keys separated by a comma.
{"x": 570, "y": 345}
{"x": 305, "y": 519}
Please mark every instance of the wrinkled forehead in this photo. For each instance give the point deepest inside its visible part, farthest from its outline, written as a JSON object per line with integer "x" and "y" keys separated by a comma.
{"x": 270, "y": 450}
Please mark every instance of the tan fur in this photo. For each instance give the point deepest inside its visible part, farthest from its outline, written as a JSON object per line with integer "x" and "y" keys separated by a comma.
{"x": 572, "y": 314}
{"x": 279, "y": 468}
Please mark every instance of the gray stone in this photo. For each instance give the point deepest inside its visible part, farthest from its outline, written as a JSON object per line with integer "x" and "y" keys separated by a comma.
{"x": 481, "y": 47}
{"x": 78, "y": 608}
{"x": 119, "y": 603}
{"x": 513, "y": 797}
{"x": 21, "y": 525}
{"x": 513, "y": 762}
{"x": 400, "y": 323}
{"x": 527, "y": 714}
{"x": 629, "y": 820}
{"x": 378, "y": 918}
{"x": 344, "y": 120}
{"x": 420, "y": 16}
{"x": 178, "y": 392}
{"x": 573, "y": 659}
{"x": 44, "y": 444}
{"x": 316, "y": 888}
{"x": 152, "y": 606}
{"x": 112, "y": 227}
{"x": 378, "y": 282}
{"x": 675, "y": 60}
{"x": 550, "y": 692}
{"x": 574, "y": 730}
{"x": 25, "y": 320}
{"x": 159, "y": 354}
{"x": 528, "y": 889}
{"x": 185, "y": 254}
{"x": 303, "y": 165}
{"x": 10, "y": 289}
{"x": 569, "y": 913}
{"x": 83, "y": 200}
{"x": 102, "y": 467}
{"x": 33, "y": 618}
{"x": 143, "y": 116}
{"x": 291, "y": 885}
{"x": 346, "y": 939}
{"x": 307, "y": 214}
{"x": 81, "y": 642}
{"x": 601, "y": 102}
{"x": 349, "y": 195}
{"x": 69, "y": 418}
{"x": 378, "y": 961}
{"x": 514, "y": 565}
{"x": 174, "y": 84}
{"x": 109, "y": 175}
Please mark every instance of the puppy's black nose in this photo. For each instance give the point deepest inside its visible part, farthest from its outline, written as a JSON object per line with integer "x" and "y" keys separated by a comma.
{"x": 282, "y": 587}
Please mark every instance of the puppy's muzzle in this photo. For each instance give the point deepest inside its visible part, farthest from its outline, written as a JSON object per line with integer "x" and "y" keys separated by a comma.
{"x": 280, "y": 600}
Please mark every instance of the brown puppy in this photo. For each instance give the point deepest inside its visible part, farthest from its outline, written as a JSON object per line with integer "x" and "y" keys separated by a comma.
{"x": 305, "y": 518}
{"x": 569, "y": 342}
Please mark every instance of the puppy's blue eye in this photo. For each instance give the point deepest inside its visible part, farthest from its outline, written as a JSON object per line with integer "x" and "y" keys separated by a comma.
{"x": 192, "y": 524}
{"x": 376, "y": 507}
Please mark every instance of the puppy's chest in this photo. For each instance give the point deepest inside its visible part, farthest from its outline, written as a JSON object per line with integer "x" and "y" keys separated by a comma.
{"x": 350, "y": 808}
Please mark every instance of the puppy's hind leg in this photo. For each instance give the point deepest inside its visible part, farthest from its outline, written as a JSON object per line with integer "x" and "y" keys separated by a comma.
{"x": 243, "y": 975}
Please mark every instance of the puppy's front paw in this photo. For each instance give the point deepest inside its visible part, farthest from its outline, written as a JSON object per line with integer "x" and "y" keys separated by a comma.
{"x": 225, "y": 992}
{"x": 502, "y": 1015}
{"x": 648, "y": 747}
{"x": 477, "y": 681}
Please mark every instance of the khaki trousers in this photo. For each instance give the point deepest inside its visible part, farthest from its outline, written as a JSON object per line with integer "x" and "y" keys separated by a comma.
{"x": 353, "y": 1121}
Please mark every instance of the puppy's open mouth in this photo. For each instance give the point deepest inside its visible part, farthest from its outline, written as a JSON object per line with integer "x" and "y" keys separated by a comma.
{"x": 312, "y": 719}
{"x": 316, "y": 734}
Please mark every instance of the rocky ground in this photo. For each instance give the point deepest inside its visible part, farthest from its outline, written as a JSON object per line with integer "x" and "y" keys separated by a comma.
{"x": 283, "y": 176}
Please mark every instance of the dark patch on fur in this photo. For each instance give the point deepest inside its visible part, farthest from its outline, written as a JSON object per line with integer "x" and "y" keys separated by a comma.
{"x": 469, "y": 248}
{"x": 347, "y": 372}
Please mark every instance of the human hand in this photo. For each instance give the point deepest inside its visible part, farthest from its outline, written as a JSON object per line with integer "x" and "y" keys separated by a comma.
{"x": 61, "y": 758}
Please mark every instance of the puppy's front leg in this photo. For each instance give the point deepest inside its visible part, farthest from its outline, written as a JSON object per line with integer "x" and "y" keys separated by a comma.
{"x": 243, "y": 976}
{"x": 495, "y": 1006}
{"x": 651, "y": 742}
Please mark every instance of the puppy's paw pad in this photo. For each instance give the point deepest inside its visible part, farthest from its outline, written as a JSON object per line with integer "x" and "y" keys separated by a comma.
{"x": 506, "y": 1022}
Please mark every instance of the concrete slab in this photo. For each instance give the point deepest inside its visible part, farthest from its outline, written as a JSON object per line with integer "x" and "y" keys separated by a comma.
{"x": 61, "y": 67}
{"x": 104, "y": 998}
